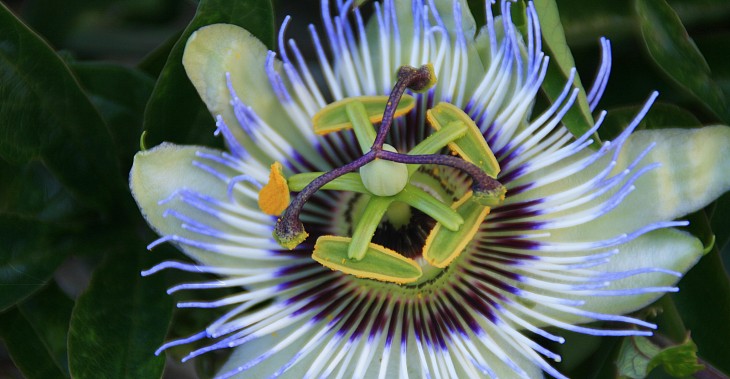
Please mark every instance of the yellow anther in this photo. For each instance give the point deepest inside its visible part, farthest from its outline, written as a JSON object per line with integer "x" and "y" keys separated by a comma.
{"x": 334, "y": 117}
{"x": 274, "y": 196}
{"x": 379, "y": 263}
{"x": 443, "y": 245}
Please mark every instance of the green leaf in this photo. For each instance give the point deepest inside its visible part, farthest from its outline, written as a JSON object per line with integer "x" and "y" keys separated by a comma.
{"x": 175, "y": 113}
{"x": 26, "y": 348}
{"x": 30, "y": 190}
{"x": 45, "y": 114}
{"x": 478, "y": 10}
{"x": 634, "y": 357}
{"x": 54, "y": 20}
{"x": 704, "y": 304}
{"x": 677, "y": 55}
{"x": 120, "y": 320}
{"x": 678, "y": 361}
{"x": 49, "y": 313}
{"x": 720, "y": 223}
{"x": 578, "y": 119}
{"x": 615, "y": 19}
{"x": 29, "y": 254}
{"x": 120, "y": 94}
{"x": 154, "y": 62}
{"x": 639, "y": 356}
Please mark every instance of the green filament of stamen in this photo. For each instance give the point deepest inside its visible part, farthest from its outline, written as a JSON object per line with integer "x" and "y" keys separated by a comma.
{"x": 437, "y": 141}
{"x": 444, "y": 245}
{"x": 379, "y": 263}
{"x": 364, "y": 130}
{"x": 472, "y": 147}
{"x": 347, "y": 182}
{"x": 384, "y": 175}
{"x": 369, "y": 219}
{"x": 411, "y": 195}
{"x": 427, "y": 204}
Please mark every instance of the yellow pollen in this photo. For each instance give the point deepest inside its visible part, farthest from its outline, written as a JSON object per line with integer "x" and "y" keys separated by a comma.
{"x": 274, "y": 196}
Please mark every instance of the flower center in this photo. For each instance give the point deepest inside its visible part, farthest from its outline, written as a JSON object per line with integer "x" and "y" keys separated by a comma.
{"x": 386, "y": 179}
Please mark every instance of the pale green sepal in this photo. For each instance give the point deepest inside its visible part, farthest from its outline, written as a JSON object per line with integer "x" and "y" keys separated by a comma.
{"x": 334, "y": 116}
{"x": 429, "y": 205}
{"x": 163, "y": 170}
{"x": 379, "y": 263}
{"x": 472, "y": 147}
{"x": 347, "y": 182}
{"x": 214, "y": 50}
{"x": 437, "y": 141}
{"x": 366, "y": 225}
{"x": 695, "y": 170}
{"x": 694, "y": 166}
{"x": 443, "y": 245}
{"x": 669, "y": 249}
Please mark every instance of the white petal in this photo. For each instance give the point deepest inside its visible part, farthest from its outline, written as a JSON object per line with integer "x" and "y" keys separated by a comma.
{"x": 253, "y": 349}
{"x": 215, "y": 51}
{"x": 692, "y": 172}
{"x": 163, "y": 180}
{"x": 666, "y": 249}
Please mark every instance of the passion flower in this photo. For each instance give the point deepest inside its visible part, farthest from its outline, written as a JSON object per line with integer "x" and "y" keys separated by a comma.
{"x": 431, "y": 231}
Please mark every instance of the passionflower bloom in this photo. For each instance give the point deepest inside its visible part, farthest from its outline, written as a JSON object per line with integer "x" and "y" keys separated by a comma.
{"x": 411, "y": 214}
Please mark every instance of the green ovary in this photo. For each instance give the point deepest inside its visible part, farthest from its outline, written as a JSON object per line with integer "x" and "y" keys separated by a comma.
{"x": 384, "y": 178}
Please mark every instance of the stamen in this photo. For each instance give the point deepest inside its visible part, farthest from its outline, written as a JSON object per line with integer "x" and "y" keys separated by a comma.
{"x": 289, "y": 230}
{"x": 379, "y": 263}
{"x": 443, "y": 245}
{"x": 274, "y": 196}
{"x": 427, "y": 204}
{"x": 335, "y": 117}
{"x": 374, "y": 211}
{"x": 384, "y": 174}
